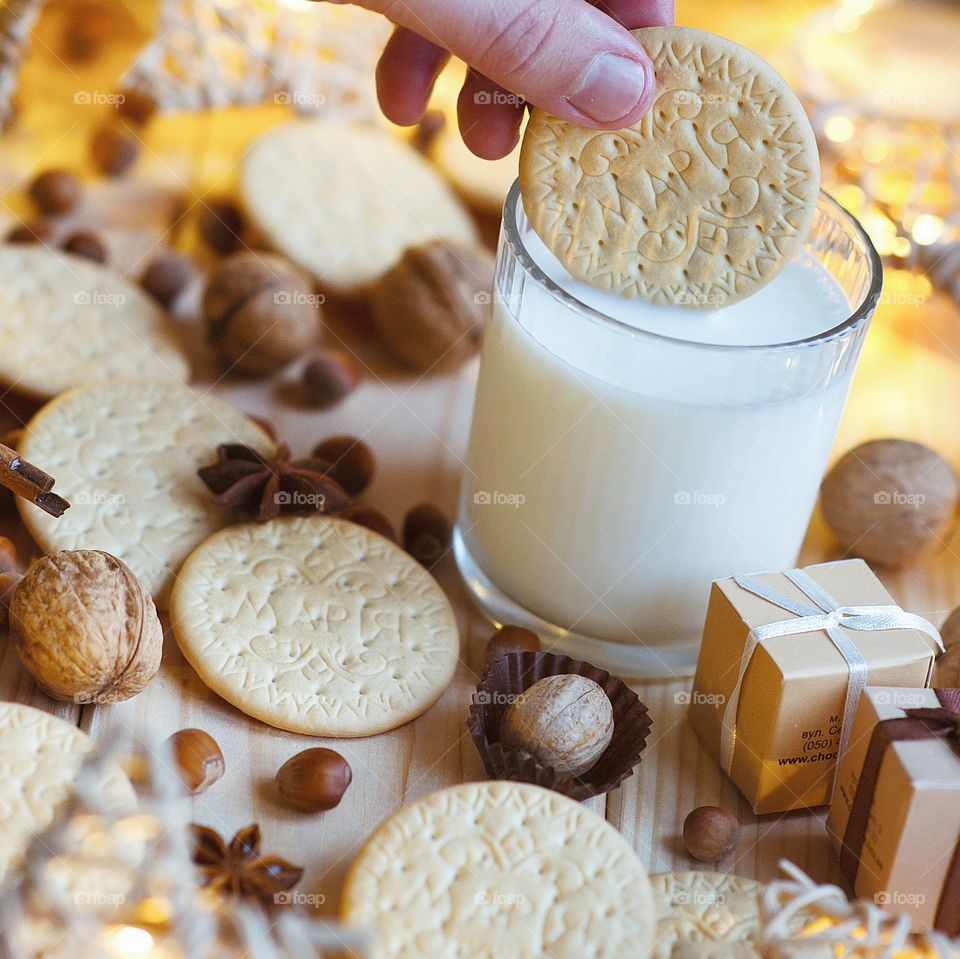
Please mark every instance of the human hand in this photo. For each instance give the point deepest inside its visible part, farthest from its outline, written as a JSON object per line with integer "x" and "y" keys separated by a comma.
{"x": 576, "y": 60}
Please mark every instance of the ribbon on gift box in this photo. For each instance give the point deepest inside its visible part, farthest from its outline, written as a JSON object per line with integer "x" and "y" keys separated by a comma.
{"x": 915, "y": 725}
{"x": 824, "y": 613}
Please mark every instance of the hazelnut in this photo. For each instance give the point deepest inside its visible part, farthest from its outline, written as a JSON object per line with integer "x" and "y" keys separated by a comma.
{"x": 86, "y": 244}
{"x": 221, "y": 224}
{"x": 372, "y": 519}
{"x": 314, "y": 780}
{"x": 55, "y": 192}
{"x": 565, "y": 722}
{"x": 512, "y": 639}
{"x": 198, "y": 759}
{"x": 167, "y": 277}
{"x": 890, "y": 500}
{"x": 260, "y": 312}
{"x": 136, "y": 106}
{"x": 349, "y": 461}
{"x": 328, "y": 378}
{"x": 85, "y": 627}
{"x": 426, "y": 534}
{"x": 114, "y": 150}
{"x": 9, "y": 560}
{"x": 431, "y": 307}
{"x": 36, "y": 231}
{"x": 8, "y": 586}
{"x": 710, "y": 833}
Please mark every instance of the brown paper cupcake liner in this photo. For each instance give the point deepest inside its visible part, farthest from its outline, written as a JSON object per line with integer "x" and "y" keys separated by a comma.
{"x": 509, "y": 676}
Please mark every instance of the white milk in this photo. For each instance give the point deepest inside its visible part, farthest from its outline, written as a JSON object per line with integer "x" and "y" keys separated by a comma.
{"x": 612, "y": 476}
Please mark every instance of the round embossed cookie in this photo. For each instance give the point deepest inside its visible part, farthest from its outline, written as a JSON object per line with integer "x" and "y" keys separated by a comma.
{"x": 346, "y": 202}
{"x": 315, "y": 625}
{"x": 706, "y": 915}
{"x": 126, "y": 456}
{"x": 699, "y": 204}
{"x": 40, "y": 756}
{"x": 65, "y": 321}
{"x": 500, "y": 869}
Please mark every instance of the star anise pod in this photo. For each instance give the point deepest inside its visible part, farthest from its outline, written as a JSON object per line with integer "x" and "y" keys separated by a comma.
{"x": 243, "y": 479}
{"x": 237, "y": 868}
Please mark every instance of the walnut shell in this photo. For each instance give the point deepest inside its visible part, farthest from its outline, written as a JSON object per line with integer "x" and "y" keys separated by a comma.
{"x": 564, "y": 721}
{"x": 430, "y": 309}
{"x": 890, "y": 500}
{"x": 86, "y": 628}
{"x": 261, "y": 312}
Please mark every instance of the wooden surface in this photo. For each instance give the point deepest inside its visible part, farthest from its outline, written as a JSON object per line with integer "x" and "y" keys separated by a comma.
{"x": 907, "y": 385}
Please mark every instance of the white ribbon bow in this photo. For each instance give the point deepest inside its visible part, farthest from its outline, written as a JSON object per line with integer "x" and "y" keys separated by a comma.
{"x": 825, "y": 614}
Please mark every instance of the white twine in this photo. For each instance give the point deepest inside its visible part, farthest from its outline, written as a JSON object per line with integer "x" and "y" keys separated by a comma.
{"x": 824, "y": 613}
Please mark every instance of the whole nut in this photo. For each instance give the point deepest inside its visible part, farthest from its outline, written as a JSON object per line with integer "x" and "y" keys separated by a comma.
{"x": 710, "y": 833}
{"x": 198, "y": 759}
{"x": 221, "y": 224}
{"x": 114, "y": 149}
{"x": 136, "y": 106}
{"x": 314, "y": 780}
{"x": 86, "y": 628}
{"x": 56, "y": 192}
{"x": 565, "y": 722}
{"x": 430, "y": 309}
{"x": 260, "y": 313}
{"x": 8, "y": 586}
{"x": 372, "y": 519}
{"x": 167, "y": 277}
{"x": 426, "y": 534}
{"x": 890, "y": 500}
{"x": 512, "y": 639}
{"x": 350, "y": 462}
{"x": 35, "y": 231}
{"x": 329, "y": 377}
{"x": 86, "y": 244}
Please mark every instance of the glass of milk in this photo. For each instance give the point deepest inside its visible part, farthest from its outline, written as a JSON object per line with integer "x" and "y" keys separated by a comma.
{"x": 623, "y": 455}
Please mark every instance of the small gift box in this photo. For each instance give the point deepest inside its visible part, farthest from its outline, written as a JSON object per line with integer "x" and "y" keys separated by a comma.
{"x": 895, "y": 815}
{"x": 783, "y": 660}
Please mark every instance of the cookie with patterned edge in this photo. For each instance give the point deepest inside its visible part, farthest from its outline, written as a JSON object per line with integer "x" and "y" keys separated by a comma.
{"x": 700, "y": 203}
{"x": 40, "y": 756}
{"x": 126, "y": 456}
{"x": 706, "y": 915}
{"x": 315, "y": 625}
{"x": 500, "y": 869}
{"x": 65, "y": 321}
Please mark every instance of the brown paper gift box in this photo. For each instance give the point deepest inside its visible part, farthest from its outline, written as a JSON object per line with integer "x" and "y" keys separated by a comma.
{"x": 789, "y": 717}
{"x": 911, "y": 845}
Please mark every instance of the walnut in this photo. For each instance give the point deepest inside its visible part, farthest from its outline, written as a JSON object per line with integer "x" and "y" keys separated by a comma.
{"x": 564, "y": 721}
{"x": 86, "y": 628}
{"x": 261, "y": 312}
{"x": 890, "y": 500}
{"x": 431, "y": 307}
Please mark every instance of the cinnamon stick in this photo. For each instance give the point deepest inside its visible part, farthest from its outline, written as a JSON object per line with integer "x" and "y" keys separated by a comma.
{"x": 30, "y": 482}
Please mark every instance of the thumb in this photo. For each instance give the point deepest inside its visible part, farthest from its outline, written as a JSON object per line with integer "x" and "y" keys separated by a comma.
{"x": 563, "y": 55}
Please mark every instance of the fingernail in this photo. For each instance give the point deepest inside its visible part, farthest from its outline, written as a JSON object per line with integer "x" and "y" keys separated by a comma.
{"x": 610, "y": 88}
